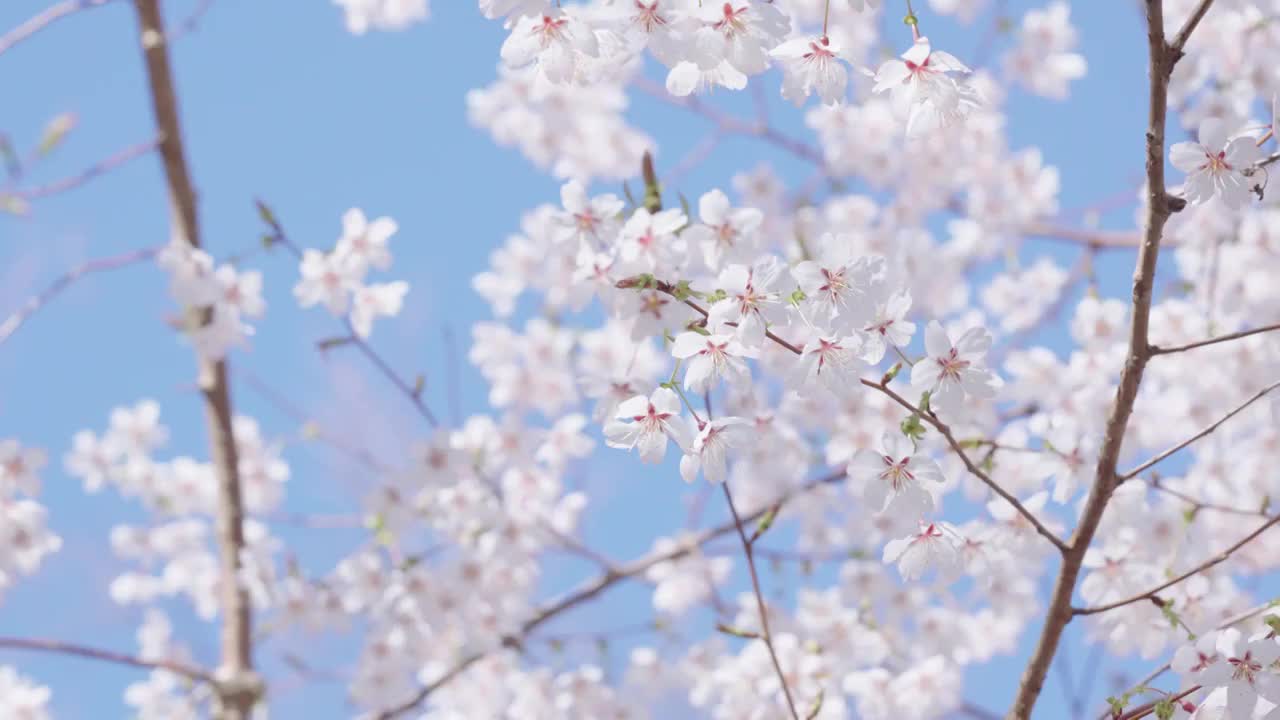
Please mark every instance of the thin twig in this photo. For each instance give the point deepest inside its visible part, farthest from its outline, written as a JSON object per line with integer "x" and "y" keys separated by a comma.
{"x": 1211, "y": 562}
{"x": 1156, "y": 350}
{"x": 56, "y": 646}
{"x": 765, "y": 635}
{"x": 36, "y": 302}
{"x": 1207, "y": 430}
{"x": 108, "y": 164}
{"x": 1156, "y": 485}
{"x": 45, "y": 18}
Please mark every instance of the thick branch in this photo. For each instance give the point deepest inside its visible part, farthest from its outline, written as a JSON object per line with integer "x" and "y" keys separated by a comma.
{"x": 1207, "y": 430}
{"x": 45, "y": 18}
{"x": 56, "y": 646}
{"x": 1213, "y": 341}
{"x": 239, "y": 687}
{"x": 1215, "y": 560}
{"x": 600, "y": 584}
{"x": 1160, "y": 205}
{"x": 765, "y": 635}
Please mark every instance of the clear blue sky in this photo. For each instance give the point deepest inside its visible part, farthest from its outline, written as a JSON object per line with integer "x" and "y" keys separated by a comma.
{"x": 280, "y": 102}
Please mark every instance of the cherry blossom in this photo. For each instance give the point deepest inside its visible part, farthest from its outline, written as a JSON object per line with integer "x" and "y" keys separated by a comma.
{"x": 954, "y": 373}
{"x": 365, "y": 15}
{"x": 645, "y": 424}
{"x": 710, "y": 448}
{"x": 1216, "y": 165}
{"x": 751, "y": 302}
{"x": 725, "y": 234}
{"x": 921, "y": 84}
{"x": 895, "y": 479}
{"x": 930, "y": 548}
{"x": 557, "y": 42}
{"x": 812, "y": 64}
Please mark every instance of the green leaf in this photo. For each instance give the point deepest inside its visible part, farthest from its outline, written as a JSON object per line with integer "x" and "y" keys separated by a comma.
{"x": 55, "y": 132}
{"x": 765, "y": 523}
{"x": 331, "y": 343}
{"x": 736, "y": 632}
{"x": 816, "y": 707}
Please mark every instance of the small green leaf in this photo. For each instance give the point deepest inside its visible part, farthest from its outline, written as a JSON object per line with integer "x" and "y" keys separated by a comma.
{"x": 331, "y": 343}
{"x": 55, "y": 132}
{"x": 816, "y": 707}
{"x": 797, "y": 297}
{"x": 736, "y": 632}
{"x": 766, "y": 522}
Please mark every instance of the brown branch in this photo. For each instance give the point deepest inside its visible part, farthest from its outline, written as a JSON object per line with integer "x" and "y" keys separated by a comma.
{"x": 1180, "y": 40}
{"x": 1206, "y": 431}
{"x": 1198, "y": 505}
{"x": 36, "y": 302}
{"x": 600, "y": 584}
{"x": 1155, "y": 350}
{"x": 239, "y": 687}
{"x": 1096, "y": 239}
{"x": 45, "y": 18}
{"x": 108, "y": 164}
{"x": 1160, "y": 206}
{"x": 765, "y": 634}
{"x": 1206, "y": 565}
{"x": 57, "y": 646}
{"x": 1147, "y": 708}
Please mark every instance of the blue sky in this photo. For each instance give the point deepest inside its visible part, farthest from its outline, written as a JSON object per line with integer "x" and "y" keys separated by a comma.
{"x": 281, "y": 103}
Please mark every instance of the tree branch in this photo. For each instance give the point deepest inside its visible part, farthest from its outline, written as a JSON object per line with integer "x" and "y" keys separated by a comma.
{"x": 239, "y": 687}
{"x": 1160, "y": 205}
{"x": 1180, "y": 40}
{"x": 1207, "y": 430}
{"x": 45, "y": 18}
{"x": 1215, "y": 560}
{"x": 600, "y": 584}
{"x": 108, "y": 164}
{"x": 765, "y": 635}
{"x": 56, "y": 646}
{"x": 1155, "y": 350}
{"x": 36, "y": 302}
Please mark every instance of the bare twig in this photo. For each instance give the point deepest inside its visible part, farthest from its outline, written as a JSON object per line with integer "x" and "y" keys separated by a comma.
{"x": 36, "y": 302}
{"x": 1160, "y": 487}
{"x": 239, "y": 687}
{"x": 1205, "y": 431}
{"x": 45, "y": 18}
{"x": 1213, "y": 341}
{"x": 62, "y": 648}
{"x": 765, "y": 635}
{"x": 110, "y": 163}
{"x": 1211, "y": 562}
{"x": 1180, "y": 40}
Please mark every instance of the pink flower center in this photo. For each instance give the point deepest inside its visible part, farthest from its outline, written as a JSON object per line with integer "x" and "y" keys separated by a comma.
{"x": 951, "y": 365}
